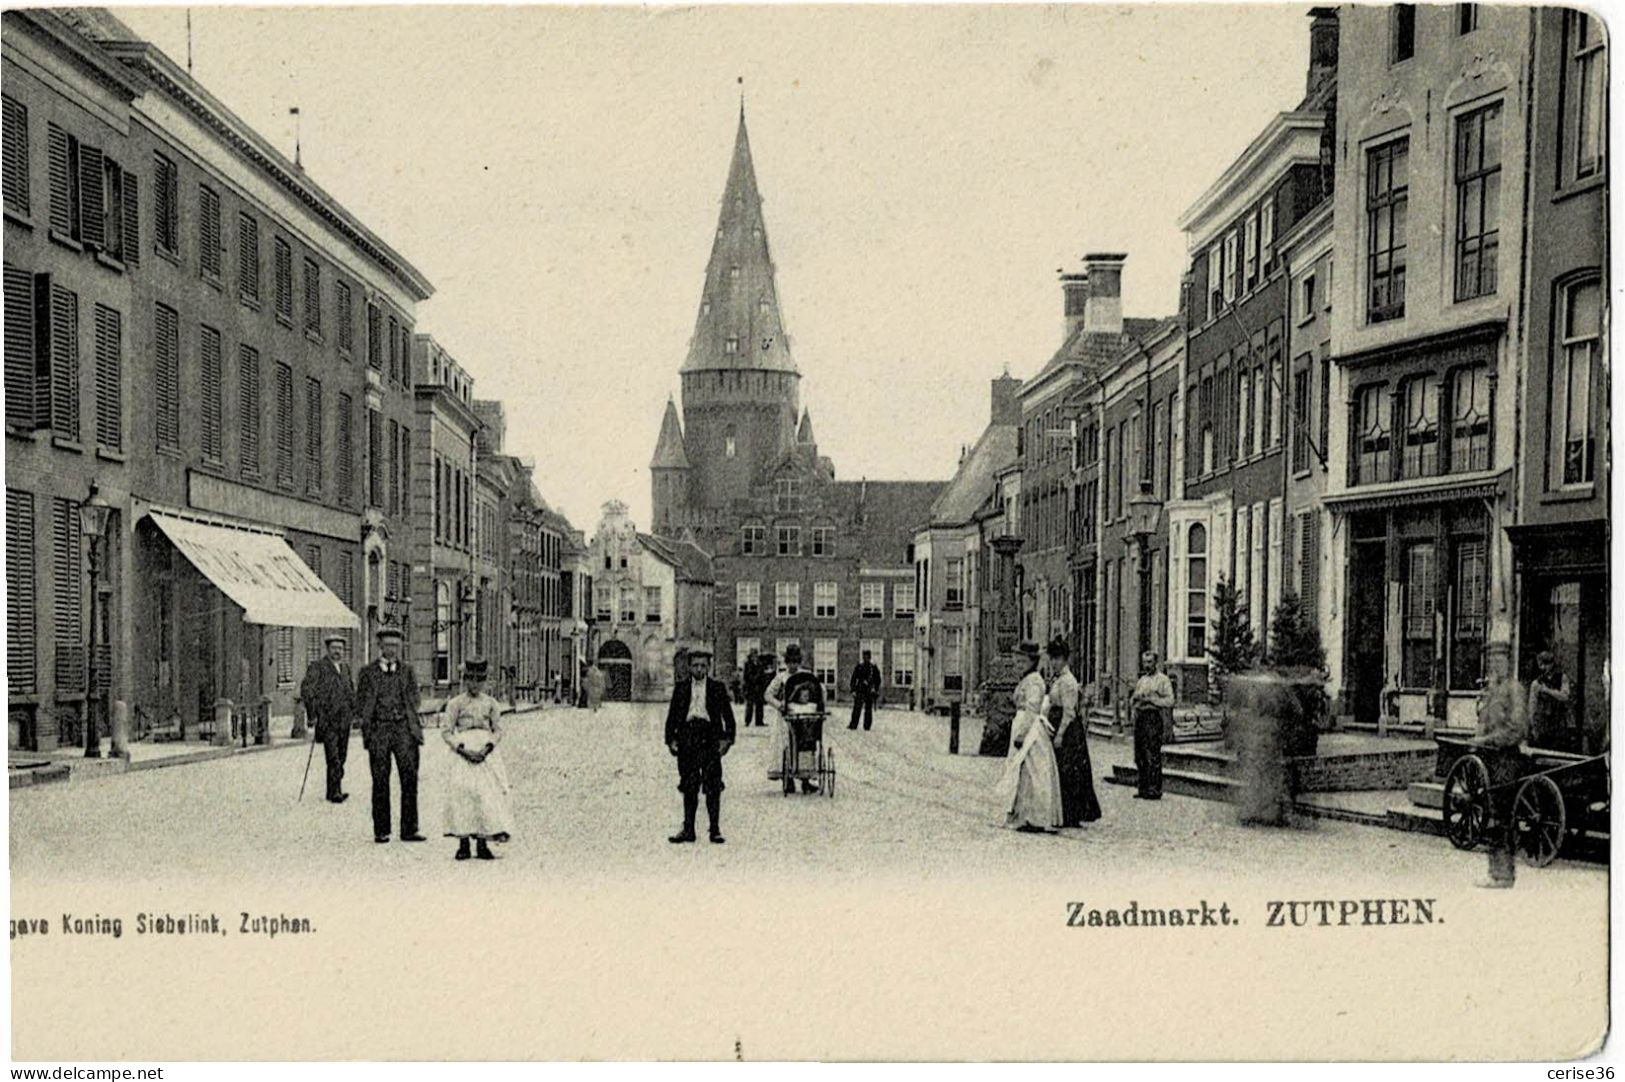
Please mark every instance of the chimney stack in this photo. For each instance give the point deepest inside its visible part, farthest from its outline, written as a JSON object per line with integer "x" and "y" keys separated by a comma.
{"x": 1322, "y": 47}
{"x": 1075, "y": 296}
{"x": 1006, "y": 401}
{"x": 1103, "y": 312}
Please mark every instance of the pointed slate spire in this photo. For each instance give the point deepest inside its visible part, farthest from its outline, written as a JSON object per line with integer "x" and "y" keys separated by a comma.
{"x": 739, "y": 325}
{"x": 669, "y": 451}
{"x": 804, "y": 433}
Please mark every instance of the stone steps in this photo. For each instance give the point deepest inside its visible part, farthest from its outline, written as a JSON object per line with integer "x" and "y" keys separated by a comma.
{"x": 1181, "y": 783}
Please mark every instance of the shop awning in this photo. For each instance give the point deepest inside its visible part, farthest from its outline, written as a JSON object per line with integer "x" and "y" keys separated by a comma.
{"x": 1485, "y": 485}
{"x": 258, "y": 571}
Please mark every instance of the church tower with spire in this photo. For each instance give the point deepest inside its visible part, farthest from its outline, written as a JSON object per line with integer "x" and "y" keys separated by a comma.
{"x": 741, "y": 393}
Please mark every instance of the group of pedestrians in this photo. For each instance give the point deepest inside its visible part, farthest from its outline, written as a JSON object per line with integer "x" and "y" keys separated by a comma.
{"x": 384, "y": 699}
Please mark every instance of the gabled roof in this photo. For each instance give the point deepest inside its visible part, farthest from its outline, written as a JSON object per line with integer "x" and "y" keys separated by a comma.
{"x": 740, "y": 303}
{"x": 669, "y": 450}
{"x": 1092, "y": 348}
{"x": 886, "y": 514}
{"x": 974, "y": 480}
{"x": 689, "y": 560}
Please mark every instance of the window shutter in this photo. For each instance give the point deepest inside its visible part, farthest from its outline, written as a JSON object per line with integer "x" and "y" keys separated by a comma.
{"x": 390, "y": 476}
{"x": 167, "y": 194}
{"x": 168, "y": 392}
{"x": 211, "y": 380}
{"x": 313, "y": 296}
{"x": 59, "y": 170}
{"x": 16, "y": 156}
{"x": 109, "y": 378}
{"x": 21, "y": 617}
{"x": 346, "y": 452}
{"x": 20, "y": 356}
{"x": 394, "y": 350}
{"x": 68, "y": 571}
{"x": 345, "y": 317}
{"x": 375, "y": 347}
{"x": 313, "y": 435}
{"x": 284, "y": 279}
{"x": 248, "y": 257}
{"x": 248, "y": 417}
{"x": 284, "y": 425}
{"x": 132, "y": 220}
{"x": 65, "y": 362}
{"x": 208, "y": 232}
{"x": 92, "y": 197}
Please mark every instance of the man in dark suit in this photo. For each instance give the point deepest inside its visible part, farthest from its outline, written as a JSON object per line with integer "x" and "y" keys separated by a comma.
{"x": 750, "y": 680}
{"x": 865, "y": 690}
{"x": 387, "y": 701}
{"x": 329, "y": 700}
{"x": 699, "y": 732}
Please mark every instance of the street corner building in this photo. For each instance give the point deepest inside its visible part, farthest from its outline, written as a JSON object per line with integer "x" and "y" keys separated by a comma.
{"x": 215, "y": 451}
{"x": 798, "y": 556}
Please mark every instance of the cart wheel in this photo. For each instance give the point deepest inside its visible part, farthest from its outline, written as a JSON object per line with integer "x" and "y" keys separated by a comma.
{"x": 1539, "y": 820}
{"x": 1466, "y": 801}
{"x": 830, "y": 784}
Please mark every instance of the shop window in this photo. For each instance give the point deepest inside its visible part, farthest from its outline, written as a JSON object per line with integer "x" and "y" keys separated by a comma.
{"x": 1372, "y": 436}
{"x": 1420, "y": 455}
{"x": 1470, "y": 409}
{"x": 1421, "y": 593}
{"x": 1471, "y": 595}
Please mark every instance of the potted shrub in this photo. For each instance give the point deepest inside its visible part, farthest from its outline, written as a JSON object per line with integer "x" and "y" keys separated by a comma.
{"x": 1232, "y": 649}
{"x": 1298, "y": 658}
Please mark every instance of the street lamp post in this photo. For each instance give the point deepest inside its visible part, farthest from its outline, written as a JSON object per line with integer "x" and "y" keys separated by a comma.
{"x": 94, "y": 514}
{"x": 1144, "y": 511}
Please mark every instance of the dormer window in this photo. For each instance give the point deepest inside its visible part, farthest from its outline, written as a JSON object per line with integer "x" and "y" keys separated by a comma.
{"x": 705, "y": 308}
{"x": 733, "y": 272}
{"x": 730, "y": 345}
{"x": 763, "y": 306}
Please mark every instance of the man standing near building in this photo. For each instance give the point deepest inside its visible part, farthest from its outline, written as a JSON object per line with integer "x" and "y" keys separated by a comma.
{"x": 865, "y": 689}
{"x": 1549, "y": 706}
{"x": 329, "y": 700}
{"x": 387, "y": 698}
{"x": 699, "y": 732}
{"x": 1079, "y": 804}
{"x": 751, "y": 687}
{"x": 1153, "y": 696}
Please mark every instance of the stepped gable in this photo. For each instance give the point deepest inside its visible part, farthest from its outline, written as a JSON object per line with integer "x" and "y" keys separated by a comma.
{"x": 739, "y": 325}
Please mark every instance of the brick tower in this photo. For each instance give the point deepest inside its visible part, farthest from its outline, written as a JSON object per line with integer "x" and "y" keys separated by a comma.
{"x": 740, "y": 386}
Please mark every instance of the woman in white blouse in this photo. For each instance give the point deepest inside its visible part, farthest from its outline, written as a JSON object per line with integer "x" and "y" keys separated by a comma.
{"x": 477, "y": 805}
{"x": 1030, "y": 788}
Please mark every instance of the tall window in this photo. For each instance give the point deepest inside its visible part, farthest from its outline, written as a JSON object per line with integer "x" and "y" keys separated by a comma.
{"x": 1420, "y": 454}
{"x": 1250, "y": 244}
{"x": 1244, "y": 422}
{"x": 166, "y": 196}
{"x": 1470, "y": 618}
{"x": 248, "y": 258}
{"x": 61, "y": 347}
{"x": 789, "y": 540}
{"x": 313, "y": 435}
{"x": 1300, "y": 420}
{"x": 344, "y": 315}
{"x": 1387, "y": 199}
{"x": 651, "y": 604}
{"x": 1470, "y": 410}
{"x": 748, "y": 598}
{"x": 208, "y": 232}
{"x": 825, "y": 597}
{"x": 1196, "y": 591}
{"x": 375, "y": 462}
{"x": 902, "y": 663}
{"x": 1205, "y": 399}
{"x": 69, "y": 577}
{"x": 872, "y": 598}
{"x": 375, "y": 337}
{"x": 210, "y": 394}
{"x": 1372, "y": 437}
{"x": 1478, "y": 201}
{"x": 344, "y": 468}
{"x": 787, "y": 495}
{"x": 21, "y": 613}
{"x": 1402, "y": 33}
{"x": 954, "y": 582}
{"x": 1573, "y": 428}
{"x": 1266, "y": 236}
{"x": 109, "y": 378}
{"x": 313, "y": 297}
{"x": 442, "y": 631}
{"x": 753, "y": 541}
{"x": 787, "y": 599}
{"x": 953, "y": 659}
{"x": 283, "y": 269}
{"x": 903, "y": 599}
{"x": 248, "y": 410}
{"x": 284, "y": 426}
{"x": 1584, "y": 128}
{"x": 629, "y": 604}
{"x": 1231, "y": 266}
{"x": 1421, "y": 598}
{"x": 15, "y": 157}
{"x": 1215, "y": 279}
{"x": 167, "y": 355}
{"x": 823, "y": 540}
{"x": 826, "y": 659}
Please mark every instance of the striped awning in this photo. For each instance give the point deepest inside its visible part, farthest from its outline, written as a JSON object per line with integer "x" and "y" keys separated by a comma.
{"x": 1479, "y": 486}
{"x": 258, "y": 571}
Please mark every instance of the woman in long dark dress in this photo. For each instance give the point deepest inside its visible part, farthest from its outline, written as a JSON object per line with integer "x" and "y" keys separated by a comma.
{"x": 1079, "y": 804}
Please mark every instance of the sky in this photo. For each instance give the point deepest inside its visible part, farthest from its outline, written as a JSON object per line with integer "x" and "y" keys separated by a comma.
{"x": 556, "y": 173}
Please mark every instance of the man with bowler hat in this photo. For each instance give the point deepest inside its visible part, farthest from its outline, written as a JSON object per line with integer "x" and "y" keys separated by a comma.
{"x": 699, "y": 732}
{"x": 865, "y": 690}
{"x": 387, "y": 698}
{"x": 329, "y": 700}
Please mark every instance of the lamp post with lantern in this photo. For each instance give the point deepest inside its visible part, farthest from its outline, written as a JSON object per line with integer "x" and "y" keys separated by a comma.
{"x": 1144, "y": 512}
{"x": 94, "y": 515}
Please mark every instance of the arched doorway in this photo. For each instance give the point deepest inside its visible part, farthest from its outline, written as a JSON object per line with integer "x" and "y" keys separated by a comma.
{"x": 615, "y": 658}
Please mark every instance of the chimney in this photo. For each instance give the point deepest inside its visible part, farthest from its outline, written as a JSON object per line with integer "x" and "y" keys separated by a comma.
{"x": 1006, "y": 401}
{"x": 1322, "y": 47}
{"x": 1103, "y": 313}
{"x": 1075, "y": 296}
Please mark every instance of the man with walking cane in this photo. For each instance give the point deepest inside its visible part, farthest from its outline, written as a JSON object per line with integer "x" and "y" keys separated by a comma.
{"x": 329, "y": 700}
